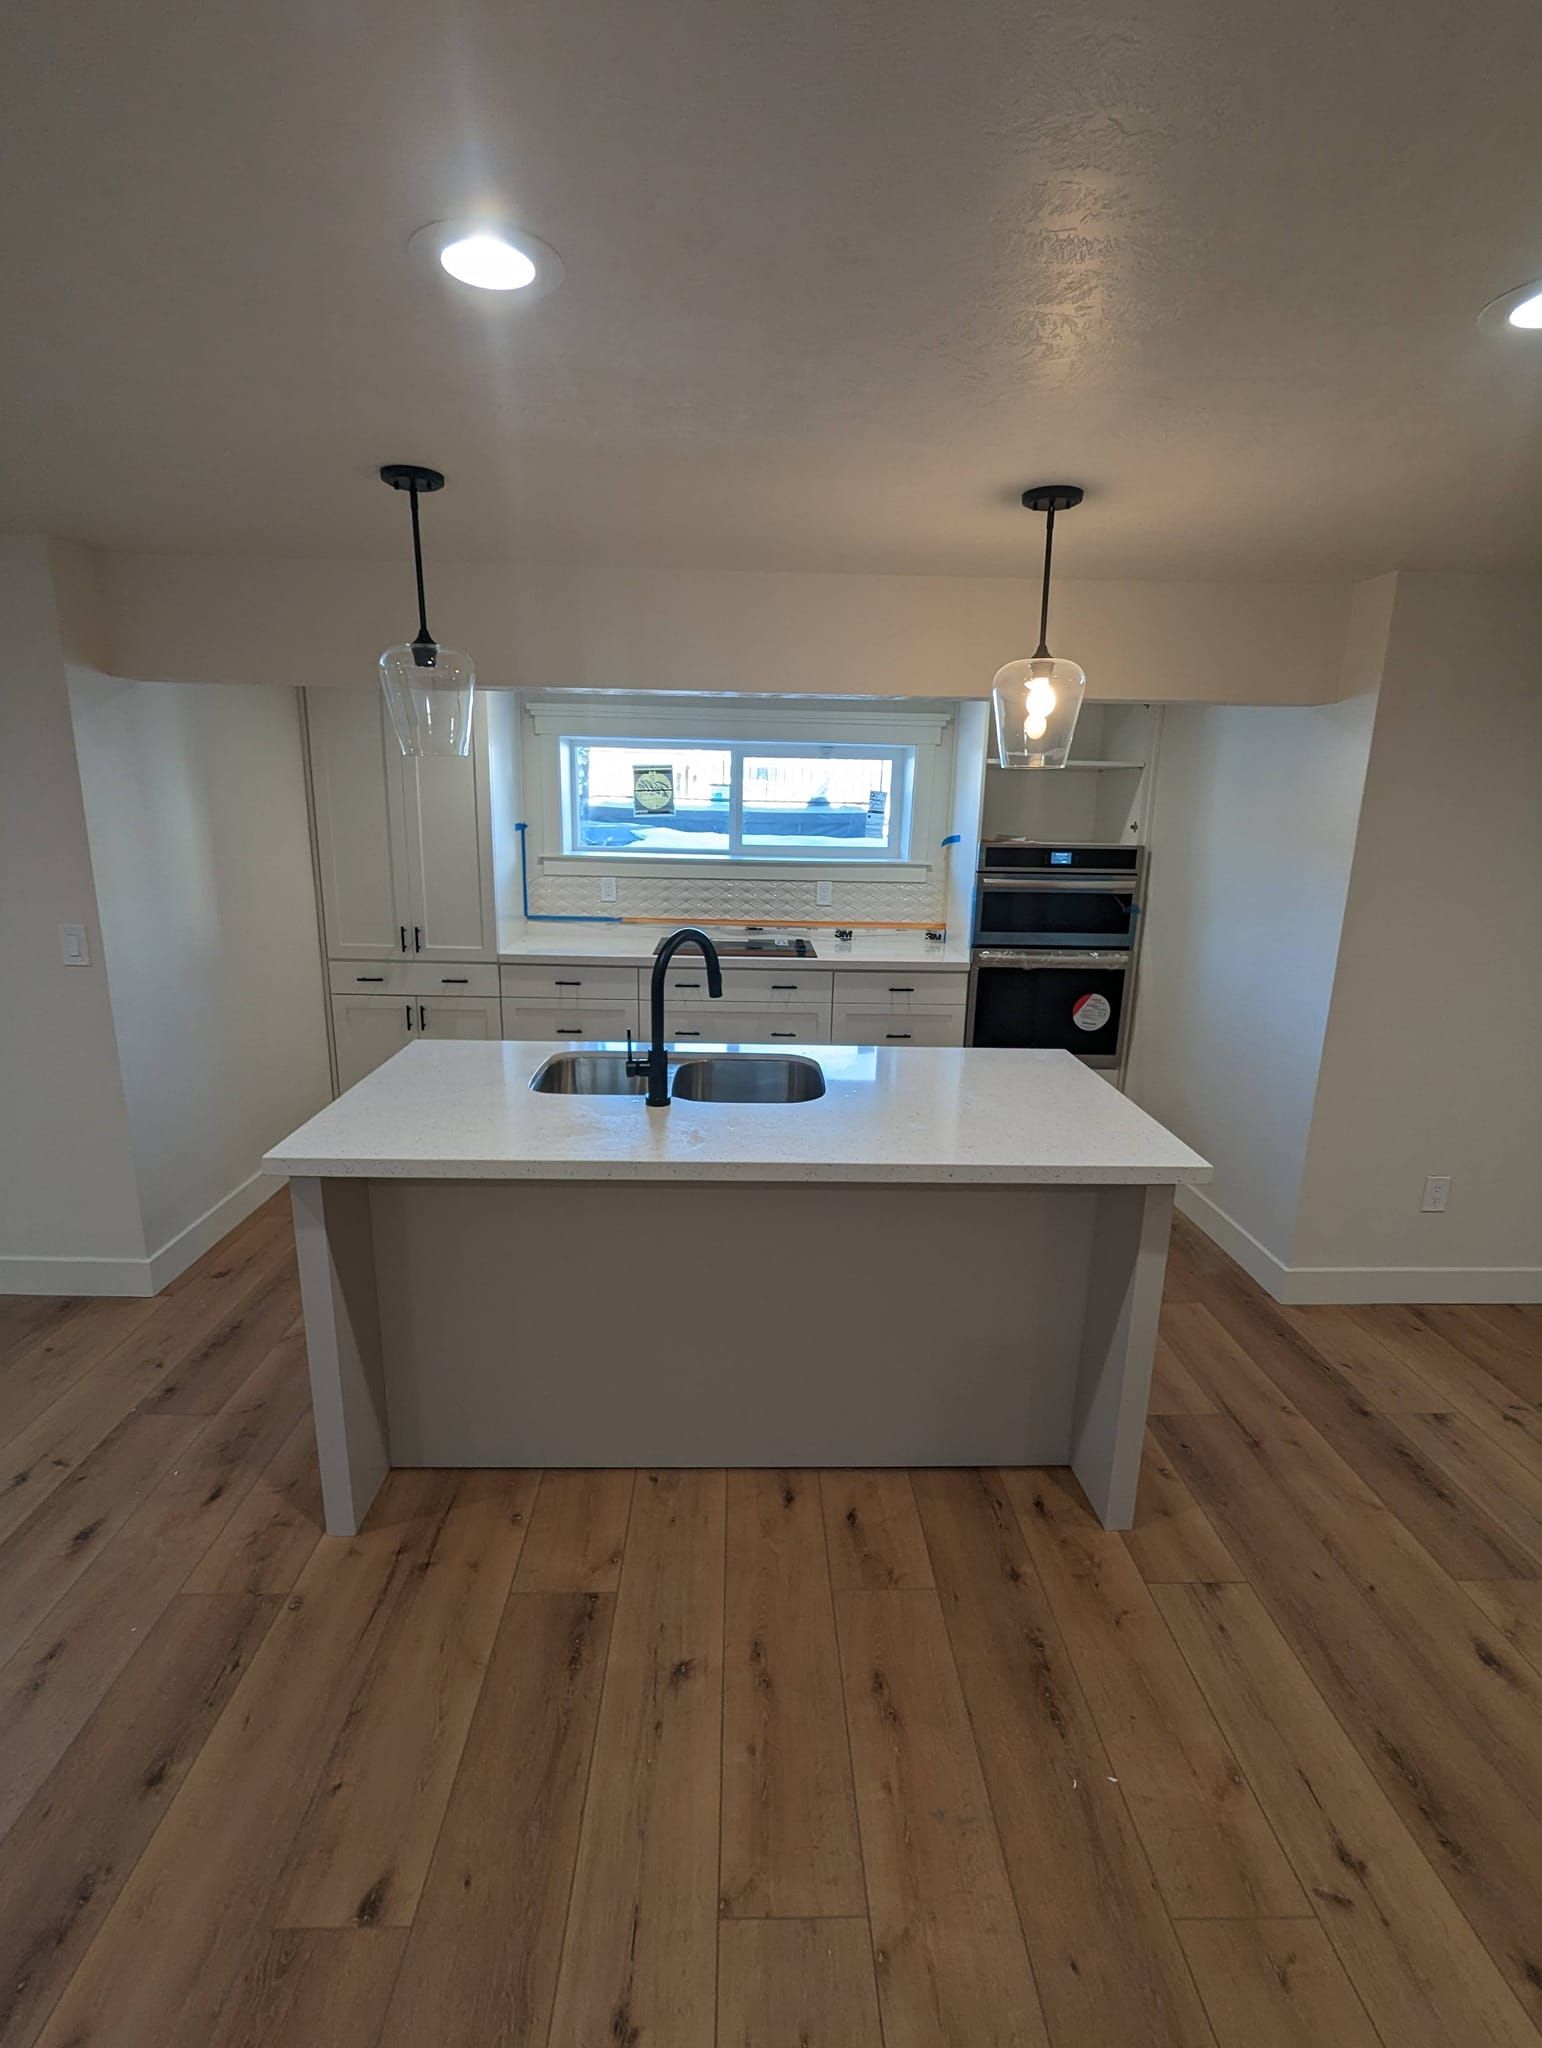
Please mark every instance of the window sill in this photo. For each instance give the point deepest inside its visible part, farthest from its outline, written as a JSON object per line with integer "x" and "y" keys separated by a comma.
{"x": 812, "y": 869}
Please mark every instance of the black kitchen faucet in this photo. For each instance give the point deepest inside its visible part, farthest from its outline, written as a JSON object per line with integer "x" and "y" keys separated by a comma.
{"x": 656, "y": 1065}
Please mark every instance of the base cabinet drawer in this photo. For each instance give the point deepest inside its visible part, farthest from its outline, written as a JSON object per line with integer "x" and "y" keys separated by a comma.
{"x": 896, "y": 989}
{"x": 569, "y": 1020}
{"x": 728, "y": 1023}
{"x": 758, "y": 988}
{"x": 560, "y": 982}
{"x": 855, "y": 1026}
{"x": 413, "y": 978}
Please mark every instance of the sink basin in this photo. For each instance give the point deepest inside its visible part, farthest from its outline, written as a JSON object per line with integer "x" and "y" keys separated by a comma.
{"x": 749, "y": 1077}
{"x": 708, "y": 1077}
{"x": 587, "y": 1073}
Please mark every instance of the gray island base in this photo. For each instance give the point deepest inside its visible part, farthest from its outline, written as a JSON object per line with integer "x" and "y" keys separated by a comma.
{"x": 955, "y": 1257}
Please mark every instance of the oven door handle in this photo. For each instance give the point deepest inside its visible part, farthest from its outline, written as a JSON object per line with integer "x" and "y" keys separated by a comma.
{"x": 1069, "y": 885}
{"x": 1028, "y": 961}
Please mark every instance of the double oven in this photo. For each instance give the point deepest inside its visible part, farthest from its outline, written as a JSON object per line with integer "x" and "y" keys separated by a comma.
{"x": 1056, "y": 930}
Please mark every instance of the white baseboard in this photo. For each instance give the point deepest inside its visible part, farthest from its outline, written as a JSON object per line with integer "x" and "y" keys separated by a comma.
{"x": 179, "y": 1252}
{"x": 1255, "y": 1259}
{"x": 1301, "y": 1286}
{"x": 116, "y": 1277}
{"x": 134, "y": 1277}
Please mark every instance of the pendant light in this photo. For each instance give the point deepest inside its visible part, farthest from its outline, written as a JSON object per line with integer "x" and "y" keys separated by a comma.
{"x": 1037, "y": 700}
{"x": 428, "y": 687}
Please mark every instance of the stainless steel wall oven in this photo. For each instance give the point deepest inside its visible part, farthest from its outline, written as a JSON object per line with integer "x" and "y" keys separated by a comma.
{"x": 1056, "y": 933}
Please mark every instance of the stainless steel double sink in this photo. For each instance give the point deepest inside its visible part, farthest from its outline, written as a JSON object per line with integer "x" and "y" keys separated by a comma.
{"x": 699, "y": 1077}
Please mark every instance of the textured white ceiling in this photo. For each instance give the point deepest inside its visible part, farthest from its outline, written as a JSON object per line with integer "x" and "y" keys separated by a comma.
{"x": 841, "y": 277}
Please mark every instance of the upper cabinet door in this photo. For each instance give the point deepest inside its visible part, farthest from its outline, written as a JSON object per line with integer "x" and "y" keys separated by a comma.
{"x": 448, "y": 837}
{"x": 361, "y": 843}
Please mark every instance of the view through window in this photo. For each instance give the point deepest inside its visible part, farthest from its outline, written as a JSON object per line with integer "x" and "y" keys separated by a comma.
{"x": 736, "y": 800}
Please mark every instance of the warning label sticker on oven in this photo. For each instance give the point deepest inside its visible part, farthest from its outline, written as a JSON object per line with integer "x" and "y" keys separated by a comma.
{"x": 1090, "y": 1012}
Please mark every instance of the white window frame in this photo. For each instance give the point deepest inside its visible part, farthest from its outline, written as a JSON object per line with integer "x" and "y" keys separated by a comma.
{"x": 857, "y": 852}
{"x": 743, "y": 728}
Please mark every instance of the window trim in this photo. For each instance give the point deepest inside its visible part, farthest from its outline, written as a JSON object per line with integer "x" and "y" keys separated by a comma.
{"x": 547, "y": 721}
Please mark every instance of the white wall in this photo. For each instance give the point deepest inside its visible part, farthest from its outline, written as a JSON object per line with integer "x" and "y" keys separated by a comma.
{"x": 195, "y": 810}
{"x": 1252, "y": 839}
{"x": 68, "y": 1202}
{"x": 213, "y": 619}
{"x": 1433, "y": 1056}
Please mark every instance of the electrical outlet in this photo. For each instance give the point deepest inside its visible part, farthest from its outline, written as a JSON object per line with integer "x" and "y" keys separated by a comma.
{"x": 1437, "y": 1192}
{"x": 824, "y": 893}
{"x": 607, "y": 888}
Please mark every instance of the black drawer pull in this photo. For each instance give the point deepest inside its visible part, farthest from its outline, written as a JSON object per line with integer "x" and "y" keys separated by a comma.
{"x": 570, "y": 1030}
{"x": 784, "y": 1034}
{"x": 369, "y": 977}
{"x": 783, "y": 984}
{"x": 567, "y": 984}
{"x": 685, "y": 984}
{"x": 900, "y": 991}
{"x": 422, "y": 1020}
{"x": 408, "y": 1008}
{"x": 403, "y": 930}
{"x": 687, "y": 1034}
{"x": 417, "y": 938}
{"x": 453, "y": 980}
{"x": 896, "y": 1034}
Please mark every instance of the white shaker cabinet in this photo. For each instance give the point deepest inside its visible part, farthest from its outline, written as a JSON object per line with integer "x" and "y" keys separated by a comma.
{"x": 404, "y": 848}
{"x": 459, "y": 1017}
{"x": 366, "y": 1030}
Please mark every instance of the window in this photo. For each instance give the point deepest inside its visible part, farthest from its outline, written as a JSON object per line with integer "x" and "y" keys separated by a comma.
{"x": 738, "y": 799}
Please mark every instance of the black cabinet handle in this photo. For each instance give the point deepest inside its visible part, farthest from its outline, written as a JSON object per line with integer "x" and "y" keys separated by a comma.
{"x": 896, "y": 1034}
{"x": 901, "y": 991}
{"x": 369, "y": 977}
{"x": 453, "y": 980}
{"x": 422, "y": 1020}
{"x": 403, "y": 930}
{"x": 784, "y": 1034}
{"x": 570, "y": 1030}
{"x": 567, "y": 984}
{"x": 784, "y": 984}
{"x": 685, "y": 984}
{"x": 417, "y": 938}
{"x": 408, "y": 1008}
{"x": 687, "y": 1034}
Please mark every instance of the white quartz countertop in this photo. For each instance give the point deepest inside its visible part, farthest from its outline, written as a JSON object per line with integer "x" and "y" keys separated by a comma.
{"x": 631, "y": 945}
{"x": 440, "y": 1110}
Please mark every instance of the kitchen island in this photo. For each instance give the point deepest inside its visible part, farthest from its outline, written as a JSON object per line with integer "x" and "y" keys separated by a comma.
{"x": 950, "y": 1257}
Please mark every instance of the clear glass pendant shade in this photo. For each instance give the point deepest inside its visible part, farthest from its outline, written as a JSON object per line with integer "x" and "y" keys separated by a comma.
{"x": 1036, "y": 704}
{"x": 428, "y": 692}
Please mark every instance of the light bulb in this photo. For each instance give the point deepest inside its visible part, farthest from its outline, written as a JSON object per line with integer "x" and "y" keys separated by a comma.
{"x": 1035, "y": 725}
{"x": 488, "y": 262}
{"x": 1528, "y": 313}
{"x": 1041, "y": 696}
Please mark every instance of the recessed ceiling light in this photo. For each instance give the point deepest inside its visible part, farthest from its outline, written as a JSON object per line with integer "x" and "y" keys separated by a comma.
{"x": 1521, "y": 307}
{"x": 489, "y": 257}
{"x": 489, "y": 262}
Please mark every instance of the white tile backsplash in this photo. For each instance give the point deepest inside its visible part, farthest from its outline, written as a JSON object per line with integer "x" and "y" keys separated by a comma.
{"x": 730, "y": 900}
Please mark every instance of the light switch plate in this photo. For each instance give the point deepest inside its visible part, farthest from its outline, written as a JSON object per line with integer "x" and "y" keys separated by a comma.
{"x": 73, "y": 949}
{"x": 607, "y": 888}
{"x": 824, "y": 893}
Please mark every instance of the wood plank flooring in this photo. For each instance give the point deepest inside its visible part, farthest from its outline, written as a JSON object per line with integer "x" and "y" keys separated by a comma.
{"x": 773, "y": 1759}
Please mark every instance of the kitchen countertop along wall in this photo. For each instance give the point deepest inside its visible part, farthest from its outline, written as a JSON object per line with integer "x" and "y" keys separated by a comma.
{"x": 632, "y": 945}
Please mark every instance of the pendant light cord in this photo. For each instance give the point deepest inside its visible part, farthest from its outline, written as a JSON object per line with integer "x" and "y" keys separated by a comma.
{"x": 425, "y": 638}
{"x": 1042, "y": 650}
